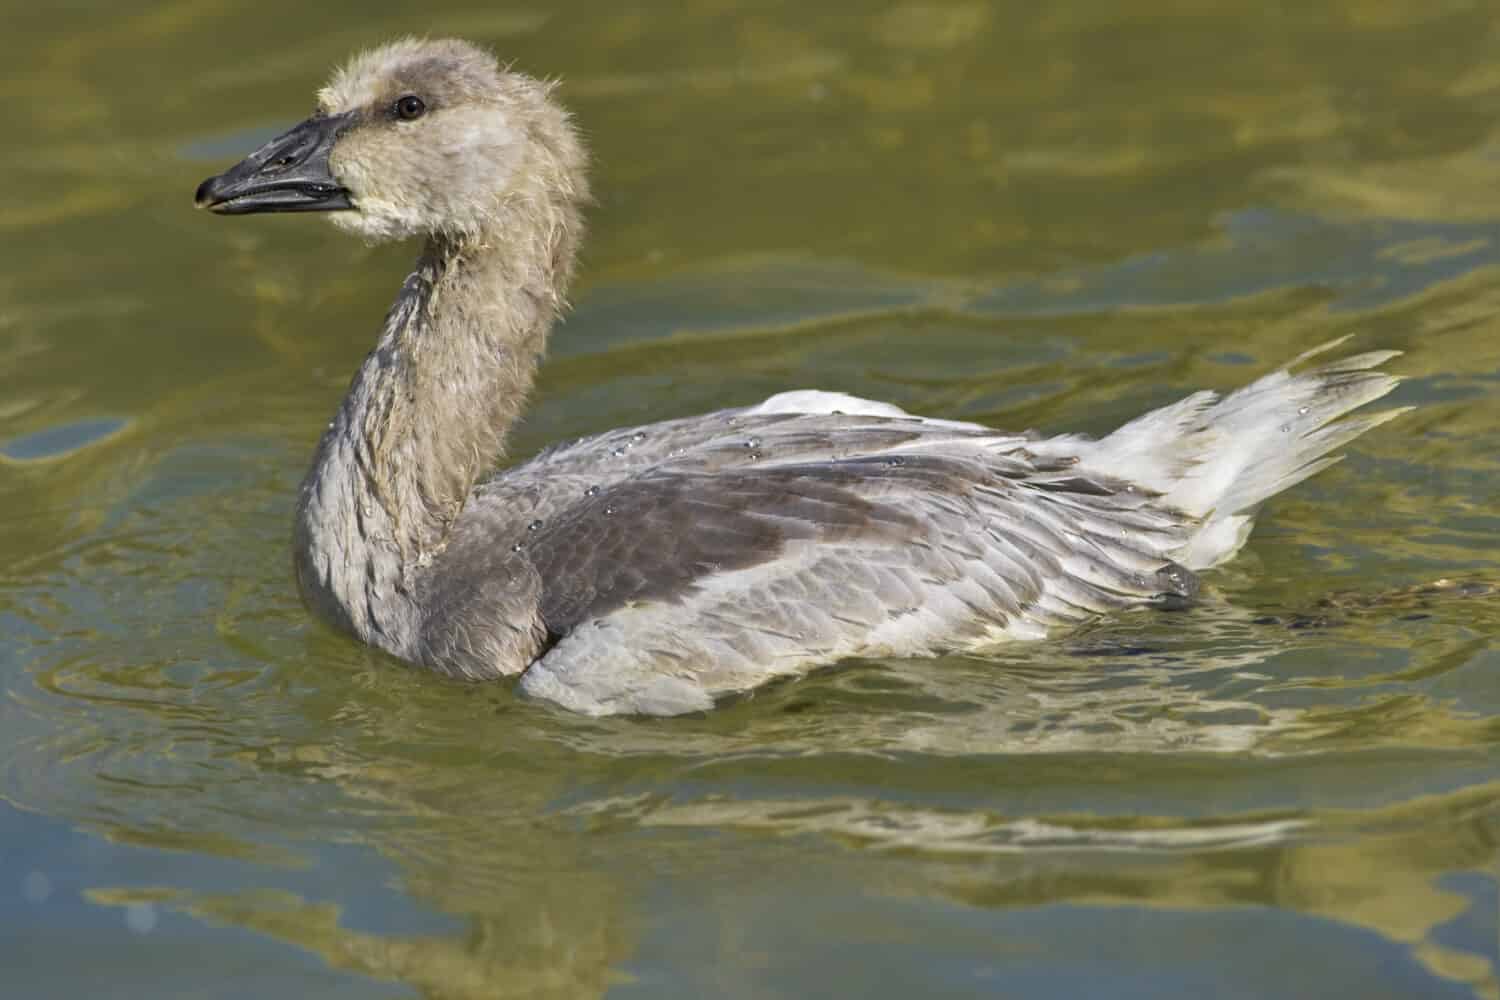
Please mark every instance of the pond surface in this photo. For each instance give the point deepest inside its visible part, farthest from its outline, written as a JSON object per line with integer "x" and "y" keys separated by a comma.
{"x": 1049, "y": 216}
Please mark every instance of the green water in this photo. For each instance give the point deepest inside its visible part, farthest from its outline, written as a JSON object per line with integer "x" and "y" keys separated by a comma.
{"x": 1048, "y": 215}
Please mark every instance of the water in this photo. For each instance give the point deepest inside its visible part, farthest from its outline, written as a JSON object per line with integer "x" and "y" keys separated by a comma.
{"x": 1034, "y": 215}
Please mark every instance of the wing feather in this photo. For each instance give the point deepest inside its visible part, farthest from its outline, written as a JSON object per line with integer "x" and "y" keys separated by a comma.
{"x": 674, "y": 587}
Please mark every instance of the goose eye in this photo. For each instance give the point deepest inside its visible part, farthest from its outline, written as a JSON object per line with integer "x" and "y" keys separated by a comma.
{"x": 409, "y": 107}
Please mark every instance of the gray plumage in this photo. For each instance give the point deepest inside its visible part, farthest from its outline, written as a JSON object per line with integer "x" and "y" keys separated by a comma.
{"x": 655, "y": 569}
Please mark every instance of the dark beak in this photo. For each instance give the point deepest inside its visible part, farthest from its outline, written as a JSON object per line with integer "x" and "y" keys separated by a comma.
{"x": 288, "y": 174}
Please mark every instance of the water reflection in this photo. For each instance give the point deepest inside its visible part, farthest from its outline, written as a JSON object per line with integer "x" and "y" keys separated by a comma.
{"x": 1049, "y": 217}
{"x": 558, "y": 937}
{"x": 1140, "y": 762}
{"x": 1081, "y": 771}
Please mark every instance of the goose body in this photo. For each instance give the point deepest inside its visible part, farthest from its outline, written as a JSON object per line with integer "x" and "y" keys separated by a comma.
{"x": 656, "y": 569}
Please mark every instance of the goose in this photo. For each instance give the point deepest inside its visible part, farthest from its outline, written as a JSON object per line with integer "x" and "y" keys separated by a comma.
{"x": 662, "y": 568}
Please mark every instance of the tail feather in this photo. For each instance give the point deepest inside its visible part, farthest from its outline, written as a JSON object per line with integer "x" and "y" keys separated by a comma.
{"x": 1220, "y": 459}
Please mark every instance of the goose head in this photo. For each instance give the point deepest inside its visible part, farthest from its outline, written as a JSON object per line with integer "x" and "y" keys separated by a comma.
{"x": 417, "y": 137}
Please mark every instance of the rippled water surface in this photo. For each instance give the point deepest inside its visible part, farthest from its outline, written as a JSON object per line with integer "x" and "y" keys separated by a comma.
{"x": 1046, "y": 215}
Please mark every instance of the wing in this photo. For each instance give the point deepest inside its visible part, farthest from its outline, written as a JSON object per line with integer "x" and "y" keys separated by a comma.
{"x": 658, "y": 536}
{"x": 793, "y": 427}
{"x": 669, "y": 589}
